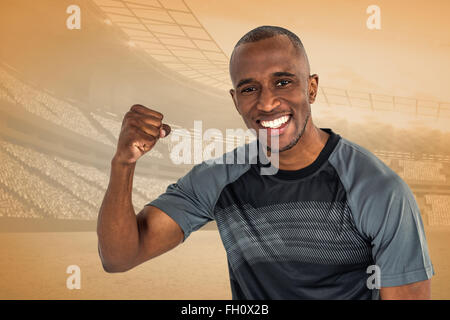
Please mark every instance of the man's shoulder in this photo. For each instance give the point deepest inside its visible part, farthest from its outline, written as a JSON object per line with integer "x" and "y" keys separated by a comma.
{"x": 373, "y": 189}
{"x": 360, "y": 169}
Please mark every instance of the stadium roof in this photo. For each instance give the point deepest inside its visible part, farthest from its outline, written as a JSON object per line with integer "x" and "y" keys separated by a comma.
{"x": 171, "y": 34}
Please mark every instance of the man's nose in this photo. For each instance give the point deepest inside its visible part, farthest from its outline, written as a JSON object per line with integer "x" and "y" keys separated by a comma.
{"x": 267, "y": 101}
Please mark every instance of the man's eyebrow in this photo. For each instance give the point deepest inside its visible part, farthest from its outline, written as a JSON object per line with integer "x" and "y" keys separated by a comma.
{"x": 244, "y": 81}
{"x": 275, "y": 74}
{"x": 283, "y": 73}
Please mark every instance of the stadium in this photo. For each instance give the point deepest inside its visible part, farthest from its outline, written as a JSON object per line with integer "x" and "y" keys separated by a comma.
{"x": 63, "y": 94}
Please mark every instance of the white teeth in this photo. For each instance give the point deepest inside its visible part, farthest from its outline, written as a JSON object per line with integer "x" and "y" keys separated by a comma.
{"x": 275, "y": 123}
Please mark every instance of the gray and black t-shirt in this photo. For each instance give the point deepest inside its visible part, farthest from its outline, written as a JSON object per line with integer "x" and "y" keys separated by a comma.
{"x": 310, "y": 233}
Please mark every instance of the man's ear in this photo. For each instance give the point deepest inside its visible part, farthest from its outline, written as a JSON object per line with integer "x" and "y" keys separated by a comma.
{"x": 232, "y": 93}
{"x": 313, "y": 87}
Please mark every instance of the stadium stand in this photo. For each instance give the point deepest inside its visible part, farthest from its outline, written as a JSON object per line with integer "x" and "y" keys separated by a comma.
{"x": 5, "y": 96}
{"x": 54, "y": 172}
{"x": 44, "y": 105}
{"x": 421, "y": 171}
{"x": 11, "y": 206}
{"x": 113, "y": 126}
{"x": 40, "y": 193}
{"x": 146, "y": 189}
{"x": 440, "y": 213}
{"x": 66, "y": 189}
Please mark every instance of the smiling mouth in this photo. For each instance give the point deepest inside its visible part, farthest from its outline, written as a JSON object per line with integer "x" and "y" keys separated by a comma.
{"x": 275, "y": 126}
{"x": 276, "y": 123}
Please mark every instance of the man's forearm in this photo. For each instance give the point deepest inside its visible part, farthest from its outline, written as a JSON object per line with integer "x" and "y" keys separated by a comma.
{"x": 117, "y": 230}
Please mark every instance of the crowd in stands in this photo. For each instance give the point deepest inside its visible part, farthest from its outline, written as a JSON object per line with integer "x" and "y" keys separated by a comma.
{"x": 60, "y": 176}
{"x": 440, "y": 209}
{"x": 145, "y": 189}
{"x": 113, "y": 126}
{"x": 40, "y": 193}
{"x": 10, "y": 206}
{"x": 50, "y": 108}
{"x": 4, "y": 95}
{"x": 63, "y": 188}
{"x": 421, "y": 170}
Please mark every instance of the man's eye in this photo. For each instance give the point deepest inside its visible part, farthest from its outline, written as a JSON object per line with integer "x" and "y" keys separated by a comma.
{"x": 283, "y": 82}
{"x": 248, "y": 89}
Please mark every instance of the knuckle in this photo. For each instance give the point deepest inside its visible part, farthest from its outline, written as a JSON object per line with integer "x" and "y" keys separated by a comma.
{"x": 129, "y": 115}
{"x": 149, "y": 140}
{"x": 129, "y": 132}
{"x": 144, "y": 132}
{"x": 160, "y": 115}
{"x": 130, "y": 122}
{"x": 135, "y": 107}
{"x": 153, "y": 121}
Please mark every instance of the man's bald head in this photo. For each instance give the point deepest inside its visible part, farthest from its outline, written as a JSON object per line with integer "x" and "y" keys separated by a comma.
{"x": 264, "y": 32}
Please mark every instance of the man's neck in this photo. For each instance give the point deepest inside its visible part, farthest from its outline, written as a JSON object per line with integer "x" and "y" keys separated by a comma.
{"x": 305, "y": 151}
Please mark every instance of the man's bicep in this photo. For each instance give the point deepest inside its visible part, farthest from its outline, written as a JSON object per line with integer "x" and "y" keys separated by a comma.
{"x": 158, "y": 233}
{"x": 184, "y": 207}
{"x": 414, "y": 291}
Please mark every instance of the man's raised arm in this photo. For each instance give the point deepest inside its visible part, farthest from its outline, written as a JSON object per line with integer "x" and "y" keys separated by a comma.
{"x": 124, "y": 238}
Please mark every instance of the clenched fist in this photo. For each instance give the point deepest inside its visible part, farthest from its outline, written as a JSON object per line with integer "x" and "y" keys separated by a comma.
{"x": 141, "y": 129}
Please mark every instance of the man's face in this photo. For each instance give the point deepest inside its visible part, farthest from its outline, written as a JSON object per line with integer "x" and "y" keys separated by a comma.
{"x": 272, "y": 89}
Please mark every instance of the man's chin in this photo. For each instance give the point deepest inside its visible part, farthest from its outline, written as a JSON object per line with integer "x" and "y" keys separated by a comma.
{"x": 280, "y": 149}
{"x": 284, "y": 146}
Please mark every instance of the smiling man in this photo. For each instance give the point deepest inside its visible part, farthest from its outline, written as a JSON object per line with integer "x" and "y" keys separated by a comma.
{"x": 310, "y": 231}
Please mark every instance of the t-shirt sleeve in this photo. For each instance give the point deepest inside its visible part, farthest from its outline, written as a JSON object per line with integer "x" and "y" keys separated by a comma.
{"x": 399, "y": 246}
{"x": 189, "y": 201}
{"x": 386, "y": 214}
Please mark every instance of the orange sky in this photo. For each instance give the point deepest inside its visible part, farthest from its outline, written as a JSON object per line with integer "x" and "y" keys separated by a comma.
{"x": 408, "y": 57}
